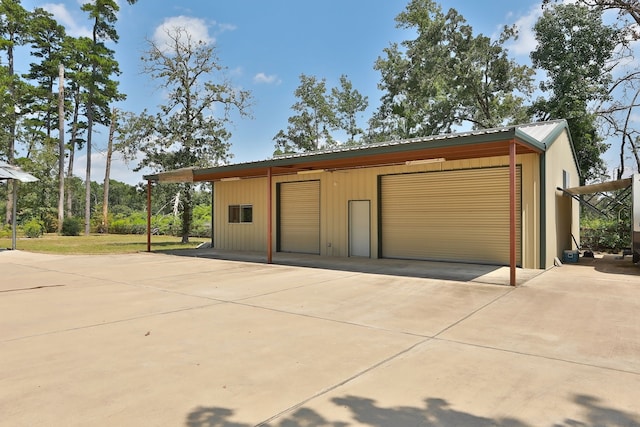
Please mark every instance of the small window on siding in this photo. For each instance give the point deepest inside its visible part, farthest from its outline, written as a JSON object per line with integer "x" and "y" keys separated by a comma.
{"x": 240, "y": 213}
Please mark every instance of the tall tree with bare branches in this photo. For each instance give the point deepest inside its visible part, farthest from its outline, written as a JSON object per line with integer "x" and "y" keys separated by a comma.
{"x": 191, "y": 127}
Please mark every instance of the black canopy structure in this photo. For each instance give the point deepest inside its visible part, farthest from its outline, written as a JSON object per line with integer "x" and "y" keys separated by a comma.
{"x": 14, "y": 173}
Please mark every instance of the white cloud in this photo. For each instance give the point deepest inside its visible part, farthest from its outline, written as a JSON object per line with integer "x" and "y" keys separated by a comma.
{"x": 236, "y": 72}
{"x": 226, "y": 27}
{"x": 266, "y": 79}
{"x": 526, "y": 41}
{"x": 196, "y": 27}
{"x": 120, "y": 170}
{"x": 65, "y": 18}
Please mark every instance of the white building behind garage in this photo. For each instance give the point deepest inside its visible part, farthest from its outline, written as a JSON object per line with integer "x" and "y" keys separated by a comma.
{"x": 487, "y": 196}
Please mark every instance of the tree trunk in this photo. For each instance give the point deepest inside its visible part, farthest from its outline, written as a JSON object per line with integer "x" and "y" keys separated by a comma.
{"x": 12, "y": 134}
{"x": 60, "y": 148}
{"x": 107, "y": 172}
{"x": 87, "y": 182}
{"x": 72, "y": 154}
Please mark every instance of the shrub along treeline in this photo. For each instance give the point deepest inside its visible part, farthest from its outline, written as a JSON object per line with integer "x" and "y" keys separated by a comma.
{"x": 127, "y": 210}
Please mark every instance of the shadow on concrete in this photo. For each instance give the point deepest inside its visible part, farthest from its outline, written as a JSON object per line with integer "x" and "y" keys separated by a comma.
{"x": 611, "y": 264}
{"x": 210, "y": 417}
{"x": 439, "y": 270}
{"x": 435, "y": 412}
{"x": 596, "y": 414}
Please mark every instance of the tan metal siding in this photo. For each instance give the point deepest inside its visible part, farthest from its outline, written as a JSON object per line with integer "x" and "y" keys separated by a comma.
{"x": 562, "y": 212}
{"x": 459, "y": 215}
{"x": 300, "y": 217}
{"x": 243, "y": 236}
{"x": 338, "y": 187}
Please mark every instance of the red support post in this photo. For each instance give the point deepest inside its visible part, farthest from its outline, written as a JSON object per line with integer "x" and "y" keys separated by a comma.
{"x": 148, "y": 215}
{"x": 269, "y": 218}
{"x": 512, "y": 213}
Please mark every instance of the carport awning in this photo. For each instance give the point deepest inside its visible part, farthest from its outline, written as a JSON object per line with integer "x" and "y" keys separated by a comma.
{"x": 601, "y": 187}
{"x": 464, "y": 145}
{"x": 577, "y": 193}
{"x": 177, "y": 176}
{"x": 8, "y": 171}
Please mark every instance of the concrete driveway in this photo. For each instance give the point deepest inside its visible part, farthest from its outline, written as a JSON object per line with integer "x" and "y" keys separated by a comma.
{"x": 161, "y": 340}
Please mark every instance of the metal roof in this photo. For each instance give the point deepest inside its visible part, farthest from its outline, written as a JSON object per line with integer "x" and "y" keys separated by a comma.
{"x": 8, "y": 171}
{"x": 601, "y": 187}
{"x": 529, "y": 138}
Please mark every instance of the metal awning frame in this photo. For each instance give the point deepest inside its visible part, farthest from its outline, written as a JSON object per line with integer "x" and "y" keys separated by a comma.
{"x": 601, "y": 190}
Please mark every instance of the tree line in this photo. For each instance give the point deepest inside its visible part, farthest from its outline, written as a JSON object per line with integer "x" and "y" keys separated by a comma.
{"x": 445, "y": 77}
{"x": 449, "y": 77}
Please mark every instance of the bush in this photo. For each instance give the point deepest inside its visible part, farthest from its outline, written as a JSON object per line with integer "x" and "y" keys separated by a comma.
{"x": 33, "y": 228}
{"x": 600, "y": 234}
{"x": 201, "y": 229}
{"x": 136, "y": 223}
{"x": 50, "y": 220}
{"x": 5, "y": 231}
{"x": 167, "y": 225}
{"x": 71, "y": 226}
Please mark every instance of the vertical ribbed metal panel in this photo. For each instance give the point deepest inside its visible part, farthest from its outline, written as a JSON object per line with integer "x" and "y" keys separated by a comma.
{"x": 459, "y": 215}
{"x": 241, "y": 236}
{"x": 300, "y": 217}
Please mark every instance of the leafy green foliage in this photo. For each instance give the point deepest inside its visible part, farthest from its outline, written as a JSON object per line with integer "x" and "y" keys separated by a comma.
{"x": 319, "y": 113}
{"x": 71, "y": 226}
{"x": 574, "y": 48}
{"x": 101, "y": 88}
{"x": 33, "y": 228}
{"x": 134, "y": 223}
{"x": 446, "y": 76}
{"x": 347, "y": 102}
{"x": 604, "y": 234}
{"x": 5, "y": 231}
{"x": 162, "y": 224}
{"x": 310, "y": 128}
{"x": 202, "y": 221}
{"x": 189, "y": 131}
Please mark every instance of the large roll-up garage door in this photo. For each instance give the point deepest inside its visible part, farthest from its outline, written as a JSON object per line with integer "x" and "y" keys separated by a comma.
{"x": 299, "y": 217}
{"x": 460, "y": 215}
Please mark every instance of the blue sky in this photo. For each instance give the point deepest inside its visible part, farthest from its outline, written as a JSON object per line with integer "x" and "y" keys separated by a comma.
{"x": 266, "y": 45}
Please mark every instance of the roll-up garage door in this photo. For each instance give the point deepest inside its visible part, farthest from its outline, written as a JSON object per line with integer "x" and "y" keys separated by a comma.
{"x": 299, "y": 217}
{"x": 460, "y": 215}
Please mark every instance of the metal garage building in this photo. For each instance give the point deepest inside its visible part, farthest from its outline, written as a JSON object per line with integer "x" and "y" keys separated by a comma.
{"x": 487, "y": 196}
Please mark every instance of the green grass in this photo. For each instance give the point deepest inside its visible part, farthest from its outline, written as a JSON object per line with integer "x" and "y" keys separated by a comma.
{"x": 98, "y": 243}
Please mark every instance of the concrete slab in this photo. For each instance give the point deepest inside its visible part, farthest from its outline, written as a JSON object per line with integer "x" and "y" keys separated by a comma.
{"x": 47, "y": 310}
{"x": 154, "y": 339}
{"x": 248, "y": 280}
{"x": 456, "y": 271}
{"x": 401, "y": 304}
{"x": 440, "y": 383}
{"x": 569, "y": 313}
{"x": 158, "y": 370}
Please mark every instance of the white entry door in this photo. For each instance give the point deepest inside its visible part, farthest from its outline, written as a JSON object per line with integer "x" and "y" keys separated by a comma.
{"x": 360, "y": 228}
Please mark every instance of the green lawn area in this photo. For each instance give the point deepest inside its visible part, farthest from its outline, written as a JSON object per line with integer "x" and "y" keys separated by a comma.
{"x": 98, "y": 243}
